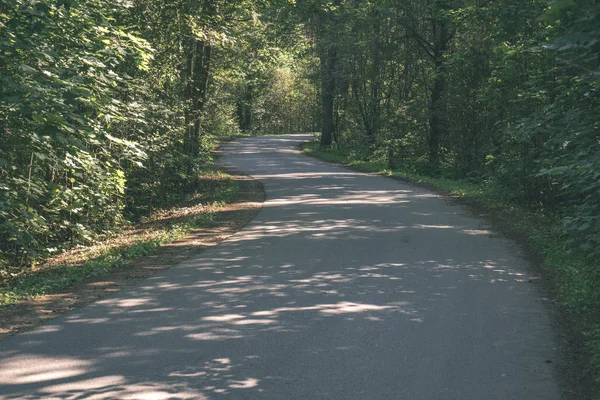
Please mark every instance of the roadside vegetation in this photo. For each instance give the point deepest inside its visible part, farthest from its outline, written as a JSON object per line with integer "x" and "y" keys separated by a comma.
{"x": 133, "y": 240}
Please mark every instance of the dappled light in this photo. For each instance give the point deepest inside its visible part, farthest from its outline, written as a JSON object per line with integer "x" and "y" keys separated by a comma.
{"x": 336, "y": 267}
{"x": 35, "y": 369}
{"x": 348, "y": 198}
{"x": 421, "y": 226}
{"x": 126, "y": 303}
{"x": 477, "y": 232}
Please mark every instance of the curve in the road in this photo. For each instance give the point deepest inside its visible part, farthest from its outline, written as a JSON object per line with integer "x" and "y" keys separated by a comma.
{"x": 345, "y": 286}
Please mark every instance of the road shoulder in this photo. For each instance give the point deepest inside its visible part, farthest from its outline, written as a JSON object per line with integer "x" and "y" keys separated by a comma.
{"x": 230, "y": 219}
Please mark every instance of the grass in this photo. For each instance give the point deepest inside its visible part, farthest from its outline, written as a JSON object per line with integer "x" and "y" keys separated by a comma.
{"x": 134, "y": 241}
{"x": 573, "y": 278}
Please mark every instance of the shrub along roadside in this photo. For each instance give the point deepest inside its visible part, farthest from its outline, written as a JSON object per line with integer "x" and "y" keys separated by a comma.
{"x": 573, "y": 278}
{"x": 134, "y": 241}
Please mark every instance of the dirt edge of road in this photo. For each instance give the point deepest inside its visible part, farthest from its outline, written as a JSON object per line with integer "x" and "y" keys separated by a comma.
{"x": 229, "y": 220}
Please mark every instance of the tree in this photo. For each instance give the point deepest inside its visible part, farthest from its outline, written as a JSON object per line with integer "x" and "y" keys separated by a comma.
{"x": 327, "y": 37}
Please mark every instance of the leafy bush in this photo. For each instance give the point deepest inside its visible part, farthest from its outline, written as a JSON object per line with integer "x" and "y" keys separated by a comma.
{"x": 66, "y": 92}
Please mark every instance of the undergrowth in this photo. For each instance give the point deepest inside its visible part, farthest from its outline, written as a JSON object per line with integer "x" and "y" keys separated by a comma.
{"x": 215, "y": 189}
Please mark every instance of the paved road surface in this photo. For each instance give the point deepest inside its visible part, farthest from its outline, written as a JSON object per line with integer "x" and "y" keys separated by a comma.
{"x": 346, "y": 286}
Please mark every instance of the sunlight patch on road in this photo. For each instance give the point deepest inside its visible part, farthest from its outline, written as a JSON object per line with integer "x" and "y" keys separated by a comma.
{"x": 36, "y": 369}
{"x": 477, "y": 232}
{"x": 125, "y": 303}
{"x": 349, "y": 197}
{"x": 422, "y": 226}
{"x": 245, "y": 384}
{"x": 87, "y": 385}
{"x": 338, "y": 308}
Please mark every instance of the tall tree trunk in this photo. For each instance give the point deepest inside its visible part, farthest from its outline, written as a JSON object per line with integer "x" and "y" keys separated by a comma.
{"x": 244, "y": 109}
{"x": 328, "y": 63}
{"x": 437, "y": 113}
{"x": 375, "y": 78}
{"x": 197, "y": 76}
{"x": 202, "y": 71}
{"x": 327, "y": 38}
{"x": 189, "y": 95}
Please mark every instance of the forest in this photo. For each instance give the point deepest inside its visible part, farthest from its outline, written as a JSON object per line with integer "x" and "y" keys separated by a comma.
{"x": 108, "y": 110}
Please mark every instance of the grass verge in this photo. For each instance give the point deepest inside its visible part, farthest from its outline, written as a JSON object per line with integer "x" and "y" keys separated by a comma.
{"x": 134, "y": 241}
{"x": 572, "y": 278}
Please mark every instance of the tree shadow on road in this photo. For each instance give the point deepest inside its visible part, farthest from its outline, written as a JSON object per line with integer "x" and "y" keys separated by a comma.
{"x": 388, "y": 277}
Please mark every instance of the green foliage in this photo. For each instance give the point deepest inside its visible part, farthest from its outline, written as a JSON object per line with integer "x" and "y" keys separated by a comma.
{"x": 37, "y": 284}
{"x": 67, "y": 92}
{"x": 111, "y": 110}
{"x": 217, "y": 188}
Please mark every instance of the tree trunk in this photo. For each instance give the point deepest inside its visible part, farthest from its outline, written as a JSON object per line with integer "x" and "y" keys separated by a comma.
{"x": 328, "y": 58}
{"x": 437, "y": 113}
{"x": 328, "y": 63}
{"x": 201, "y": 81}
{"x": 244, "y": 109}
{"x": 375, "y": 71}
{"x": 188, "y": 96}
{"x": 435, "y": 116}
{"x": 197, "y": 75}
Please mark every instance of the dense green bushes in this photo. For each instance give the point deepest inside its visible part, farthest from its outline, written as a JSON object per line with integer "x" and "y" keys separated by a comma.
{"x": 66, "y": 99}
{"x": 109, "y": 109}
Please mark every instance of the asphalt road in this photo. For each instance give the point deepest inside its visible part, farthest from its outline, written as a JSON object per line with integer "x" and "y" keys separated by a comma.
{"x": 345, "y": 286}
